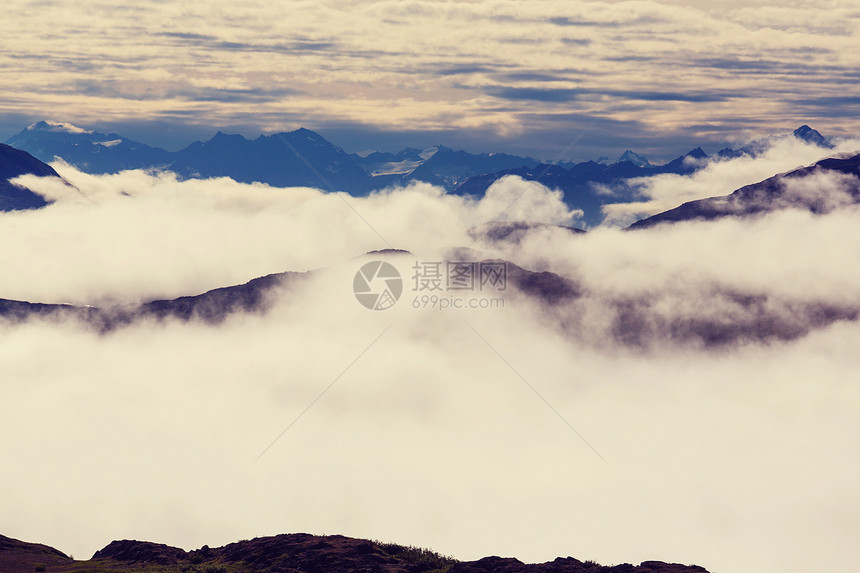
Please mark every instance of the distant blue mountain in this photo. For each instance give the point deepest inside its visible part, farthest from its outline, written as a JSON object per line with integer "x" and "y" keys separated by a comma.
{"x": 585, "y": 185}
{"x": 437, "y": 165}
{"x": 305, "y": 158}
{"x": 579, "y": 182}
{"x": 759, "y": 146}
{"x": 89, "y": 151}
{"x": 628, "y": 155}
{"x": 298, "y": 158}
{"x": 380, "y": 163}
{"x": 634, "y": 158}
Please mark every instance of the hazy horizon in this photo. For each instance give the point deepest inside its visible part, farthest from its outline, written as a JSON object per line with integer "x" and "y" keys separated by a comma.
{"x": 566, "y": 80}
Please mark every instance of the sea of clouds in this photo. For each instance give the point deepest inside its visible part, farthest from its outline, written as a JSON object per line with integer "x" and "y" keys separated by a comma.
{"x": 533, "y": 431}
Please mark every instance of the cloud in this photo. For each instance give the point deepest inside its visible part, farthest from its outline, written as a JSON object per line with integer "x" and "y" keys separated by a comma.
{"x": 832, "y": 101}
{"x": 535, "y": 94}
{"x": 426, "y": 66}
{"x": 463, "y": 69}
{"x": 721, "y": 177}
{"x": 734, "y": 457}
{"x": 190, "y": 236}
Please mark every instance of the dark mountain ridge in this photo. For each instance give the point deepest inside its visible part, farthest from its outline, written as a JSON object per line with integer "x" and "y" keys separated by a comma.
{"x": 14, "y": 163}
{"x": 215, "y": 306}
{"x": 749, "y": 317}
{"x": 211, "y": 307}
{"x": 20, "y": 557}
{"x": 291, "y": 553}
{"x": 796, "y": 189}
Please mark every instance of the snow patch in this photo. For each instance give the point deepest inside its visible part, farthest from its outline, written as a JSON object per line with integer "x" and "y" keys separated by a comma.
{"x": 428, "y": 153}
{"x": 396, "y": 168}
{"x": 58, "y": 126}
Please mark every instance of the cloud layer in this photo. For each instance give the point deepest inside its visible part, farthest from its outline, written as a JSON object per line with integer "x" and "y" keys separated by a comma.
{"x": 451, "y": 429}
{"x": 719, "y": 177}
{"x": 528, "y": 76}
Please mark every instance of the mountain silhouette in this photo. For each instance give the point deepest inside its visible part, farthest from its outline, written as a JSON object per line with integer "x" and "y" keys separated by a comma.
{"x": 290, "y": 553}
{"x": 89, "y": 151}
{"x": 13, "y": 163}
{"x": 300, "y": 158}
{"x": 630, "y": 321}
{"x": 294, "y": 159}
{"x": 820, "y": 188}
{"x": 584, "y": 184}
{"x": 305, "y": 158}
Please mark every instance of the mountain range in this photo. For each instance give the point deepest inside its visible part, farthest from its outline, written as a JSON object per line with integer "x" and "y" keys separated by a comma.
{"x": 577, "y": 182}
{"x": 294, "y": 159}
{"x": 438, "y": 165}
{"x": 290, "y": 553}
{"x": 305, "y": 158}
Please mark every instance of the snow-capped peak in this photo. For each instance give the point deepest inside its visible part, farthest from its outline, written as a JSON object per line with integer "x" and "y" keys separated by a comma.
{"x": 57, "y": 126}
{"x": 634, "y": 158}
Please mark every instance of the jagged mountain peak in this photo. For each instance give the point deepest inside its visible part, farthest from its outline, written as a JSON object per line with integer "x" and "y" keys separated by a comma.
{"x": 305, "y": 132}
{"x": 227, "y": 137}
{"x": 806, "y": 133}
{"x": 634, "y": 158}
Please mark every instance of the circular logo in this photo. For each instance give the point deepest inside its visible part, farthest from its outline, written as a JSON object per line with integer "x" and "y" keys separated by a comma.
{"x": 377, "y": 285}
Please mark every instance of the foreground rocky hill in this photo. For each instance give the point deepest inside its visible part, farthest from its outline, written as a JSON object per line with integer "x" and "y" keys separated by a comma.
{"x": 291, "y": 553}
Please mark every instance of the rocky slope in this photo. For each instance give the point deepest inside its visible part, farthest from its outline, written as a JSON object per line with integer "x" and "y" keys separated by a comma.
{"x": 828, "y": 185}
{"x": 291, "y": 553}
{"x": 13, "y": 163}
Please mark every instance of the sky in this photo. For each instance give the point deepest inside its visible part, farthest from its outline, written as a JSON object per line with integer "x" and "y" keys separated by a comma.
{"x": 520, "y": 430}
{"x": 554, "y": 79}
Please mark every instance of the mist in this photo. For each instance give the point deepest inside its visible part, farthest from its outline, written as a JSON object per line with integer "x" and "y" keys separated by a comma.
{"x": 534, "y": 430}
{"x": 718, "y": 176}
